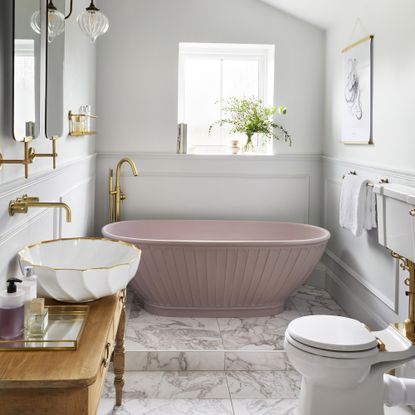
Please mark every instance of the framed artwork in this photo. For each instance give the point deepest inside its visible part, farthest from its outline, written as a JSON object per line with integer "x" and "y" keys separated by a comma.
{"x": 357, "y": 92}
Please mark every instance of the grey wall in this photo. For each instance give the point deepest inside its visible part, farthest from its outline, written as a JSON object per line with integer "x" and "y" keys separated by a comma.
{"x": 362, "y": 274}
{"x": 138, "y": 67}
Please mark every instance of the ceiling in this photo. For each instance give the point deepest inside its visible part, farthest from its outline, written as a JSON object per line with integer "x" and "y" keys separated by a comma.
{"x": 322, "y": 13}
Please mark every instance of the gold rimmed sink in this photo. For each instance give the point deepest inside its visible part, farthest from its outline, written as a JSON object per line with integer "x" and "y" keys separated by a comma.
{"x": 81, "y": 269}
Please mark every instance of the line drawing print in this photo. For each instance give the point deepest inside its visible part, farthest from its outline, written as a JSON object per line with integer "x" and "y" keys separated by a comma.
{"x": 352, "y": 90}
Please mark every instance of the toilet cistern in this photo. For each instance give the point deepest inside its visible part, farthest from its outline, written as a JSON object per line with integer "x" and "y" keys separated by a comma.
{"x": 116, "y": 195}
{"x": 396, "y": 232}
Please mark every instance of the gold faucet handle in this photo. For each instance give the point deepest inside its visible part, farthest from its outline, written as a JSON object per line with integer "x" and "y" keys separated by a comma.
{"x": 17, "y": 206}
{"x": 27, "y": 199}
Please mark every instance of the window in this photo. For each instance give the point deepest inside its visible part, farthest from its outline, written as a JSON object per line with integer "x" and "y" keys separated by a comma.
{"x": 211, "y": 73}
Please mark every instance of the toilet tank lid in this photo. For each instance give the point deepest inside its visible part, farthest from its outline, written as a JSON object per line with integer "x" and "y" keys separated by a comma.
{"x": 332, "y": 333}
{"x": 396, "y": 191}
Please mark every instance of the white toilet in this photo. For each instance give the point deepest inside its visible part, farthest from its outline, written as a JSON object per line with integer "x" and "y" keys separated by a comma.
{"x": 342, "y": 362}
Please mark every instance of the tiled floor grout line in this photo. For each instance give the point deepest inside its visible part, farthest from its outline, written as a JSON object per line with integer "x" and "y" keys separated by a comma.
{"x": 229, "y": 391}
{"x": 223, "y": 348}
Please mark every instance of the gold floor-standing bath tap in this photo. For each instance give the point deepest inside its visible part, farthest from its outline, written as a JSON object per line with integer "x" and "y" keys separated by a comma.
{"x": 116, "y": 195}
{"x": 22, "y": 205}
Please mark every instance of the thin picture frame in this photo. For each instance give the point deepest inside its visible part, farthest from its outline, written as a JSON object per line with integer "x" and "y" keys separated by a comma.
{"x": 357, "y": 99}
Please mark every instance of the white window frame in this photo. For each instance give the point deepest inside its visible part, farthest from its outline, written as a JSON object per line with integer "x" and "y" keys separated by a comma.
{"x": 264, "y": 54}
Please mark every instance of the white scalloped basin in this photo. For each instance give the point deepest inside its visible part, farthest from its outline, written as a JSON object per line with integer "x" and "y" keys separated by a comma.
{"x": 78, "y": 270}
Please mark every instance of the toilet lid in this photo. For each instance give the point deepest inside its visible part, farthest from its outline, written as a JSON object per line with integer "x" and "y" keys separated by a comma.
{"x": 332, "y": 333}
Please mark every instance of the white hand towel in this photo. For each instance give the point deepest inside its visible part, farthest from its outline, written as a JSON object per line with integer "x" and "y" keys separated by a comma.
{"x": 370, "y": 209}
{"x": 353, "y": 200}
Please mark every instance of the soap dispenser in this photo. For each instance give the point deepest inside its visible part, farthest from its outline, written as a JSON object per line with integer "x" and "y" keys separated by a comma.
{"x": 12, "y": 310}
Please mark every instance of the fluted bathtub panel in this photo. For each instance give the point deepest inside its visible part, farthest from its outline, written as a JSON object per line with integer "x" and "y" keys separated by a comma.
{"x": 241, "y": 275}
{"x": 198, "y": 280}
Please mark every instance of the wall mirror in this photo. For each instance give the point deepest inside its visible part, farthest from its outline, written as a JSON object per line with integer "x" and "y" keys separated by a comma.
{"x": 26, "y": 69}
{"x": 55, "y": 55}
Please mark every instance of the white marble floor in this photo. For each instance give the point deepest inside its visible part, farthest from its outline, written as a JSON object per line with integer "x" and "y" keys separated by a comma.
{"x": 169, "y": 343}
{"x": 204, "y": 392}
{"x": 210, "y": 393}
{"x": 208, "y": 366}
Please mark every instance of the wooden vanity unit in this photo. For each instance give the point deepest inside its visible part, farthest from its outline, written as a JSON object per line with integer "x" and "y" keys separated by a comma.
{"x": 67, "y": 382}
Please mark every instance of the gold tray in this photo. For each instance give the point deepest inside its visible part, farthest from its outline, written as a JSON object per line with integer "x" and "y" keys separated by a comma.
{"x": 65, "y": 327}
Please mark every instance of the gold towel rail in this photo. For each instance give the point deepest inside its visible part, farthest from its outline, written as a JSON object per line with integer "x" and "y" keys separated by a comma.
{"x": 381, "y": 181}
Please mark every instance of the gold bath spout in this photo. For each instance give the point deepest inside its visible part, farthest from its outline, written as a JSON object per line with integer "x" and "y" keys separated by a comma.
{"x": 116, "y": 196}
{"x": 22, "y": 205}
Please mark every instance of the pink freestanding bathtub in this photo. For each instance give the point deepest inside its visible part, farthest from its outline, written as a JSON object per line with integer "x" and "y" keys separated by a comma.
{"x": 220, "y": 268}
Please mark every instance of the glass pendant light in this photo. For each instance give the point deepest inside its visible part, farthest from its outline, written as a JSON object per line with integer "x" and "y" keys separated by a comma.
{"x": 56, "y": 22}
{"x": 93, "y": 22}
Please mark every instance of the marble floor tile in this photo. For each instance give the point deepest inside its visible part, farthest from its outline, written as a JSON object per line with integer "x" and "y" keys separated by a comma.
{"x": 168, "y": 407}
{"x": 147, "y": 331}
{"x": 311, "y": 300}
{"x": 256, "y": 360}
{"x": 174, "y": 360}
{"x": 265, "y": 406}
{"x": 261, "y": 333}
{"x": 264, "y": 385}
{"x": 170, "y": 385}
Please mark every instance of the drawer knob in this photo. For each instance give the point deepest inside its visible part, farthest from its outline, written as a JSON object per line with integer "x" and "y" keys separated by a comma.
{"x": 412, "y": 212}
{"x": 106, "y": 357}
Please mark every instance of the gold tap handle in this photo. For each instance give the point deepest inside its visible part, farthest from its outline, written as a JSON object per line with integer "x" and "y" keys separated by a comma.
{"x": 27, "y": 199}
{"x": 17, "y": 206}
{"x": 110, "y": 195}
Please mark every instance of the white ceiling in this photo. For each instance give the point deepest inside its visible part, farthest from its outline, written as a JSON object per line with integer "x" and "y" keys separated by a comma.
{"x": 323, "y": 13}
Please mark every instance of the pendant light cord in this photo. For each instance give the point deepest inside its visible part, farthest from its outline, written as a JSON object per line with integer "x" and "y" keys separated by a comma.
{"x": 70, "y": 10}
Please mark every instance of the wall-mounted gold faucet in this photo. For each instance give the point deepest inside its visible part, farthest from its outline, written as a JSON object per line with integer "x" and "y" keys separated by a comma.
{"x": 22, "y": 205}
{"x": 116, "y": 195}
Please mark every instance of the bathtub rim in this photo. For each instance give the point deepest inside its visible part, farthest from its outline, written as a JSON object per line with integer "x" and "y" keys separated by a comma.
{"x": 323, "y": 239}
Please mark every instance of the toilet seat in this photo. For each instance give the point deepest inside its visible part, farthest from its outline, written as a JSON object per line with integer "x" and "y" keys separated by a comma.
{"x": 332, "y": 336}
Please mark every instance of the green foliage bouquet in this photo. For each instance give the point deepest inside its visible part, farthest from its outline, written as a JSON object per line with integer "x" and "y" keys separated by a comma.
{"x": 249, "y": 116}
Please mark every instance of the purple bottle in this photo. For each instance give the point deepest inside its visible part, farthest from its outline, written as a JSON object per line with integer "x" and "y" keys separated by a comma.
{"x": 12, "y": 311}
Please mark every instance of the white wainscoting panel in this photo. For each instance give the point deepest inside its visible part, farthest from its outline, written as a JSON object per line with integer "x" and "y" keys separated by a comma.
{"x": 75, "y": 180}
{"x": 359, "y": 269}
{"x": 286, "y": 188}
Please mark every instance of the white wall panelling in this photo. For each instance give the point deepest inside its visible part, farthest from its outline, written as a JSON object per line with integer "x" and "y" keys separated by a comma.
{"x": 81, "y": 198}
{"x": 361, "y": 264}
{"x": 223, "y": 187}
{"x": 44, "y": 224}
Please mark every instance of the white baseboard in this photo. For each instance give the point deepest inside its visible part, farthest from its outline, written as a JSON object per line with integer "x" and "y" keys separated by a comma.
{"x": 356, "y": 300}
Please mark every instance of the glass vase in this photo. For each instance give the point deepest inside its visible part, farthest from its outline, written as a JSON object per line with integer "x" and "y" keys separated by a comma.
{"x": 249, "y": 147}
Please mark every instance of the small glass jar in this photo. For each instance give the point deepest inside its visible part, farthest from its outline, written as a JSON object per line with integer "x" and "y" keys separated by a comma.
{"x": 37, "y": 320}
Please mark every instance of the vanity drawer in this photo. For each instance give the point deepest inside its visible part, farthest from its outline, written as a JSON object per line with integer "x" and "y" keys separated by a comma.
{"x": 95, "y": 390}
